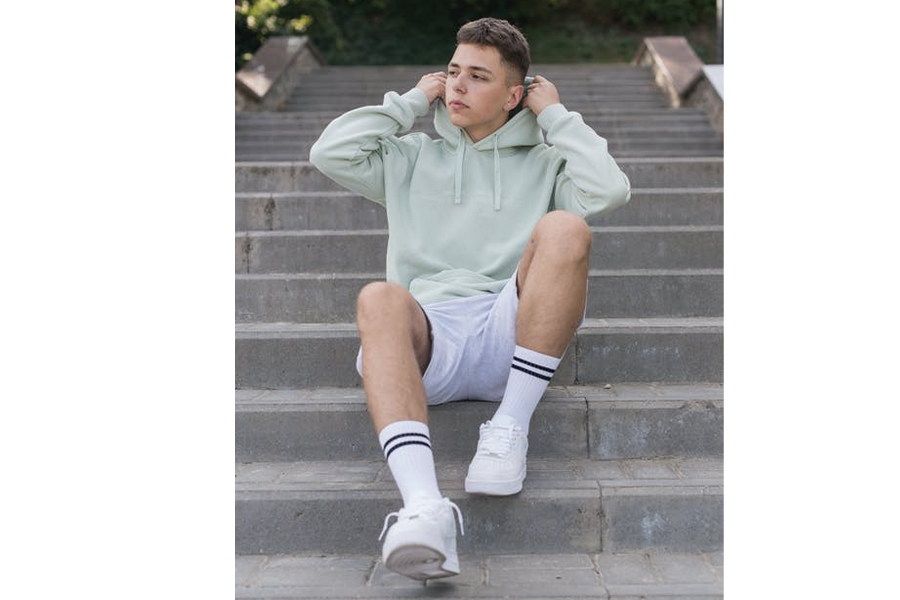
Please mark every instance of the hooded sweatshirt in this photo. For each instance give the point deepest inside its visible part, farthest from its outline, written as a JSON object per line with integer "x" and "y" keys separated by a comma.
{"x": 461, "y": 213}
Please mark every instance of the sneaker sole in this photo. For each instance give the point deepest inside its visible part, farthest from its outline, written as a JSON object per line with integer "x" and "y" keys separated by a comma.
{"x": 494, "y": 488}
{"x": 419, "y": 562}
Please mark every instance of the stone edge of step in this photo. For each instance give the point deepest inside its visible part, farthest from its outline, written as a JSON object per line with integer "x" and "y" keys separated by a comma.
{"x": 635, "y": 573}
{"x": 627, "y": 160}
{"x": 589, "y": 327}
{"x": 624, "y": 394}
{"x": 548, "y": 478}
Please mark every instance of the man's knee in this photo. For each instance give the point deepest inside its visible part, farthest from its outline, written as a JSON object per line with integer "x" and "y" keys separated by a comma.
{"x": 387, "y": 308}
{"x": 380, "y": 299}
{"x": 565, "y": 234}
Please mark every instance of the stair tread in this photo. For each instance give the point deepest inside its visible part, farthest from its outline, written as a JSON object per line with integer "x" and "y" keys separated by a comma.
{"x": 588, "y": 325}
{"x": 381, "y": 274}
{"x": 570, "y": 575}
{"x": 621, "y": 392}
{"x": 545, "y": 475}
{"x": 384, "y": 232}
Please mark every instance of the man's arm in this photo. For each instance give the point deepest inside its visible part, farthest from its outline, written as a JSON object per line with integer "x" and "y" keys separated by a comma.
{"x": 591, "y": 181}
{"x": 351, "y": 149}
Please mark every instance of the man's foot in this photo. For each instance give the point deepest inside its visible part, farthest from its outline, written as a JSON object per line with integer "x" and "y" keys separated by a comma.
{"x": 422, "y": 543}
{"x": 498, "y": 468}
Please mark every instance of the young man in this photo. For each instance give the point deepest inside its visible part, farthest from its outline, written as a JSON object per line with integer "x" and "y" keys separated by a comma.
{"x": 487, "y": 266}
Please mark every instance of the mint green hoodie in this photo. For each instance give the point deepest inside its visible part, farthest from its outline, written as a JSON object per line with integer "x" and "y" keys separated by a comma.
{"x": 460, "y": 213}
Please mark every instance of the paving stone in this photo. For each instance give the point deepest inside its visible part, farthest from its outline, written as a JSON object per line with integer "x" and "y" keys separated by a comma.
{"x": 281, "y": 571}
{"x": 245, "y": 568}
{"x": 539, "y": 561}
{"x": 683, "y": 568}
{"x": 628, "y": 568}
{"x": 325, "y": 472}
{"x": 693, "y": 591}
{"x": 647, "y": 469}
{"x": 713, "y": 391}
{"x": 471, "y": 574}
{"x": 532, "y": 576}
{"x": 244, "y": 395}
{"x": 259, "y": 472}
{"x": 543, "y": 576}
{"x": 700, "y": 468}
{"x": 603, "y": 469}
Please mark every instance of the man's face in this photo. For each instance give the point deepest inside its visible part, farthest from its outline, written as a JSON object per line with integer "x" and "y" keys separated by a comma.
{"x": 477, "y": 95}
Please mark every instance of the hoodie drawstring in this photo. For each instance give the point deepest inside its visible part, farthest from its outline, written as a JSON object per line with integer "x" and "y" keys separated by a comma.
{"x": 497, "y": 187}
{"x": 460, "y": 154}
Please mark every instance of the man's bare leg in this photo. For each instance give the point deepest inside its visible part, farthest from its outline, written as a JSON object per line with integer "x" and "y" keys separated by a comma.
{"x": 552, "y": 282}
{"x": 396, "y": 351}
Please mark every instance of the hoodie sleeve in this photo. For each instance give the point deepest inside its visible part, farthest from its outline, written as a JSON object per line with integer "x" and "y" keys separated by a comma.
{"x": 590, "y": 181}
{"x": 352, "y": 149}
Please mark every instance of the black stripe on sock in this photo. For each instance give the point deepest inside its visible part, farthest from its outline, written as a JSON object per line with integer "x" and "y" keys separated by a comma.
{"x": 416, "y": 442}
{"x": 388, "y": 443}
{"x": 531, "y": 364}
{"x": 532, "y": 373}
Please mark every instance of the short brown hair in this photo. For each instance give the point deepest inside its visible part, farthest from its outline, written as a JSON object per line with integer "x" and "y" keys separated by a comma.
{"x": 505, "y": 37}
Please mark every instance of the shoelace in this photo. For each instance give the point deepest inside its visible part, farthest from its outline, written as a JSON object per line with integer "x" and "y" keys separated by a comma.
{"x": 425, "y": 509}
{"x": 497, "y": 440}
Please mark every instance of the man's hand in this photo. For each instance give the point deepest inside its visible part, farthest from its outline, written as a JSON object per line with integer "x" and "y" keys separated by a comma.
{"x": 433, "y": 85}
{"x": 541, "y": 94}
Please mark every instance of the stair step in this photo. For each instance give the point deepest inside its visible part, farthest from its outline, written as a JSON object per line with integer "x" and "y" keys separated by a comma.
{"x": 300, "y": 148}
{"x": 331, "y": 297}
{"x": 600, "y": 117}
{"x": 655, "y": 153}
{"x": 619, "y": 134}
{"x": 585, "y": 506}
{"x": 374, "y": 93}
{"x": 302, "y": 176}
{"x": 335, "y": 251}
{"x": 576, "y": 104}
{"x": 625, "y": 421}
{"x": 652, "y": 575}
{"x": 301, "y": 355}
{"x": 601, "y": 72}
{"x": 279, "y": 211}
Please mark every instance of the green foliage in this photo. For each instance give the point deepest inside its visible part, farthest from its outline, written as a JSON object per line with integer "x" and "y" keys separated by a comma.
{"x": 257, "y": 20}
{"x": 417, "y": 32}
{"x": 677, "y": 13}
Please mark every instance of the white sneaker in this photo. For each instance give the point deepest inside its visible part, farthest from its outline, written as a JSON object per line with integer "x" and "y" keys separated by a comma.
{"x": 422, "y": 543}
{"x": 498, "y": 468}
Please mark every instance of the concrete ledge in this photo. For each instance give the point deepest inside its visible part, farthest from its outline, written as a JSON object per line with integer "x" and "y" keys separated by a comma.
{"x": 658, "y": 575}
{"x": 683, "y": 77}
{"x": 674, "y": 64}
{"x": 566, "y": 506}
{"x": 264, "y": 83}
{"x": 708, "y": 94}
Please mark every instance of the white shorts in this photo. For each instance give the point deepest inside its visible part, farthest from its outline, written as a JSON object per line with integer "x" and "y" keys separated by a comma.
{"x": 472, "y": 344}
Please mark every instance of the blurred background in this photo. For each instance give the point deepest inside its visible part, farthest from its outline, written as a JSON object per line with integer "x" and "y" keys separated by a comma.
{"x": 385, "y": 32}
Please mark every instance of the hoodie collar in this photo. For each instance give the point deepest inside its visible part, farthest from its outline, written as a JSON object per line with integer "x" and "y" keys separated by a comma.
{"x": 521, "y": 130}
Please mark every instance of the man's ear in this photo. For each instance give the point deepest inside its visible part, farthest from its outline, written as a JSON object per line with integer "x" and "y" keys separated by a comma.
{"x": 516, "y": 93}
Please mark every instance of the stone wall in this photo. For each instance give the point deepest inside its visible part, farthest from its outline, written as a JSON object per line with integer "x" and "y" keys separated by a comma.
{"x": 683, "y": 77}
{"x": 265, "y": 82}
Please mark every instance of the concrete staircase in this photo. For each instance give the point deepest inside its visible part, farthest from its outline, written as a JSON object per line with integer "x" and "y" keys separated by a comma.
{"x": 624, "y": 493}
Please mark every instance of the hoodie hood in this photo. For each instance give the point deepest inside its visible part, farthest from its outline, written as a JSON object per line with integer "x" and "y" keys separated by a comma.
{"x": 521, "y": 130}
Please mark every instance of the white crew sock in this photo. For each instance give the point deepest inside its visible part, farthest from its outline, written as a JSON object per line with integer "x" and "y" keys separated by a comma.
{"x": 407, "y": 448}
{"x": 529, "y": 376}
